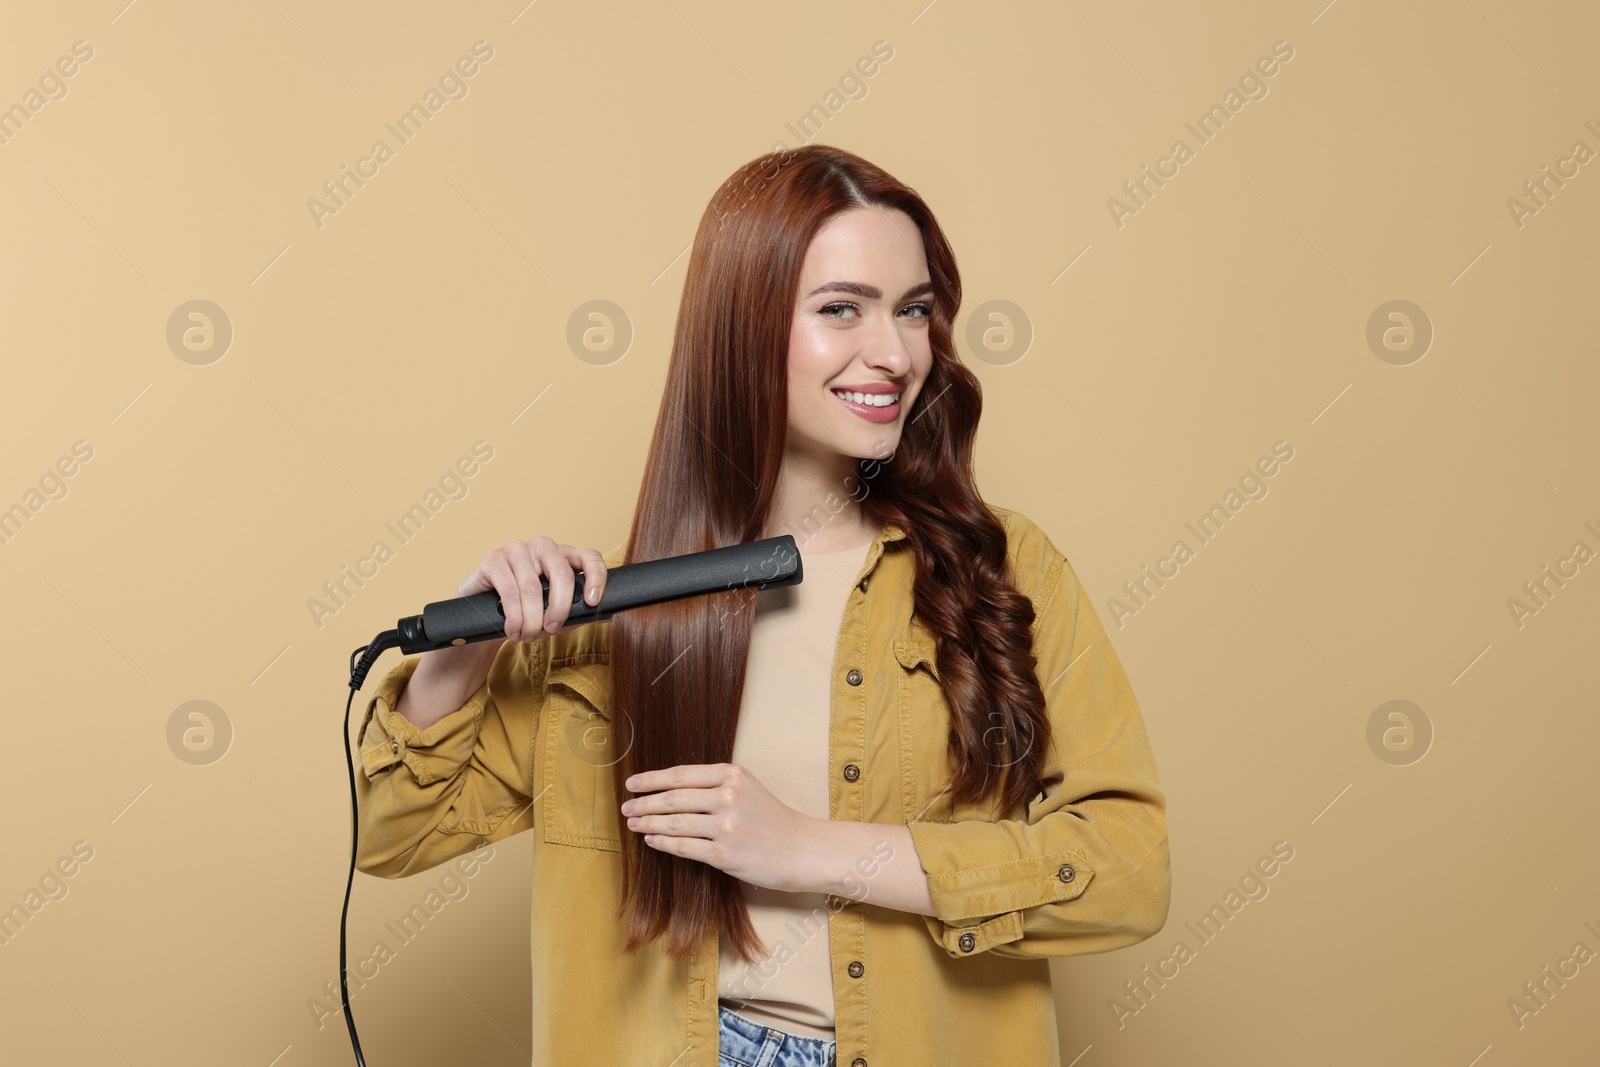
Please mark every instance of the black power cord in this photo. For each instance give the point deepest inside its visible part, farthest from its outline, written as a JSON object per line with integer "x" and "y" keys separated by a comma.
{"x": 358, "y": 675}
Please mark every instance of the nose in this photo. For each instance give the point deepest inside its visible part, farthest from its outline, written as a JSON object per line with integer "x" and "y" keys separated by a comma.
{"x": 886, "y": 352}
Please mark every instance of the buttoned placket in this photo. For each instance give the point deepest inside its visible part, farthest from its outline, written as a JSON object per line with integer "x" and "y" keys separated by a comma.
{"x": 847, "y": 719}
{"x": 846, "y": 923}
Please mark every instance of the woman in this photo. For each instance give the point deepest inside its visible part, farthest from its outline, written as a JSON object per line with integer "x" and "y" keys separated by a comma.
{"x": 845, "y": 821}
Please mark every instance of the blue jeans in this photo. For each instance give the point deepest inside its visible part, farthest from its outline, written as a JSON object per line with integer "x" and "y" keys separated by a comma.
{"x": 744, "y": 1042}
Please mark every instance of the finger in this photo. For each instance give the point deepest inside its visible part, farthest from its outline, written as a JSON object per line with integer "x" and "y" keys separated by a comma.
{"x": 683, "y": 776}
{"x": 498, "y": 570}
{"x": 593, "y": 565}
{"x": 674, "y": 824}
{"x": 676, "y": 846}
{"x": 703, "y": 801}
{"x": 690, "y": 848}
{"x": 558, "y": 573}
{"x": 526, "y": 594}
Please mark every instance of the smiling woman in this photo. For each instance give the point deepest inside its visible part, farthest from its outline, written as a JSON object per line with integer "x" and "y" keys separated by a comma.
{"x": 863, "y": 363}
{"x": 848, "y": 820}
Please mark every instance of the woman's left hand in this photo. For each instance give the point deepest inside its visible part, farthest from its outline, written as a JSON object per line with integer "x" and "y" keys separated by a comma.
{"x": 719, "y": 813}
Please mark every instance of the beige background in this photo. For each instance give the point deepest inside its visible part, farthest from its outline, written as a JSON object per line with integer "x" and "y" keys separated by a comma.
{"x": 1167, "y": 355}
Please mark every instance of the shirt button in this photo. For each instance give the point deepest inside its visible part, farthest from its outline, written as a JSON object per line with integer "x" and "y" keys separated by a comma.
{"x": 854, "y": 677}
{"x": 859, "y": 1061}
{"x": 396, "y": 745}
{"x": 851, "y": 772}
{"x": 855, "y": 968}
{"x": 863, "y": 585}
{"x": 1066, "y": 872}
{"x": 966, "y": 942}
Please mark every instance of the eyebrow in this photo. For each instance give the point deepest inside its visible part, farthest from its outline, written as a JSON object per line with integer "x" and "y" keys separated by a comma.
{"x": 868, "y": 292}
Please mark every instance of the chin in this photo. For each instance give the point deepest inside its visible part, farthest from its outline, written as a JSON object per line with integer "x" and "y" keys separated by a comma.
{"x": 872, "y": 447}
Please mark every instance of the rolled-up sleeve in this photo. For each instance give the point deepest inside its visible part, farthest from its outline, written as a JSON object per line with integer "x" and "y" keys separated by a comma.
{"x": 428, "y": 795}
{"x": 1087, "y": 868}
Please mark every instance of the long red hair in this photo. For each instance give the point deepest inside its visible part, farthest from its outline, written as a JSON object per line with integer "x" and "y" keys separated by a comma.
{"x": 678, "y": 668}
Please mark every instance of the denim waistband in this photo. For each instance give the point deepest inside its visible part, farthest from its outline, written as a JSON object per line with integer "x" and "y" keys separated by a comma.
{"x": 744, "y": 1041}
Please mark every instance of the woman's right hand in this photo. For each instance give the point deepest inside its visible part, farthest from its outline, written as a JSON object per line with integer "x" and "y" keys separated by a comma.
{"x": 446, "y": 677}
{"x": 514, "y": 571}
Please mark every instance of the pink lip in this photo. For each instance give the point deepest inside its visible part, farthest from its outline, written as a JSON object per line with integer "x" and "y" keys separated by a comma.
{"x": 883, "y": 414}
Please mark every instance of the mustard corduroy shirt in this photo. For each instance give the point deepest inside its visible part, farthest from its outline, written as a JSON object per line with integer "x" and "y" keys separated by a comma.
{"x": 1086, "y": 868}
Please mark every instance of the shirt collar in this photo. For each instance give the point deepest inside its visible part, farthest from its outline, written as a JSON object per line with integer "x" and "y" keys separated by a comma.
{"x": 890, "y": 533}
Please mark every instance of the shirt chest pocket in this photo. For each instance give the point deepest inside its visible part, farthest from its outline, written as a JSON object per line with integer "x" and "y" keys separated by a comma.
{"x": 924, "y": 713}
{"x": 925, "y": 727}
{"x": 579, "y": 747}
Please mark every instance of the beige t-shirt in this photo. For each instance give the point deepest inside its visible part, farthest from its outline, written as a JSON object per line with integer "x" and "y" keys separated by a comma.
{"x": 782, "y": 739}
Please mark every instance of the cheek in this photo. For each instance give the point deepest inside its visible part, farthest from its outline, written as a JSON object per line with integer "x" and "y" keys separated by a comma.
{"x": 812, "y": 359}
{"x": 804, "y": 337}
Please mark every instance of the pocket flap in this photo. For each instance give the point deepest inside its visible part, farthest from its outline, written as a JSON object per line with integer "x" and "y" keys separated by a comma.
{"x": 577, "y": 679}
{"x": 917, "y": 650}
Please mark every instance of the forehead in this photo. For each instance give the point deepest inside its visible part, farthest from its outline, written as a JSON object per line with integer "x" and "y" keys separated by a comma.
{"x": 866, "y": 241}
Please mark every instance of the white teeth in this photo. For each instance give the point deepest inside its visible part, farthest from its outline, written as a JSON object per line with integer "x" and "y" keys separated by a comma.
{"x": 871, "y": 400}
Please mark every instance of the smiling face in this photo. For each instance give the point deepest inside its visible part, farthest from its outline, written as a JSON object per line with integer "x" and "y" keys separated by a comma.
{"x": 861, "y": 327}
